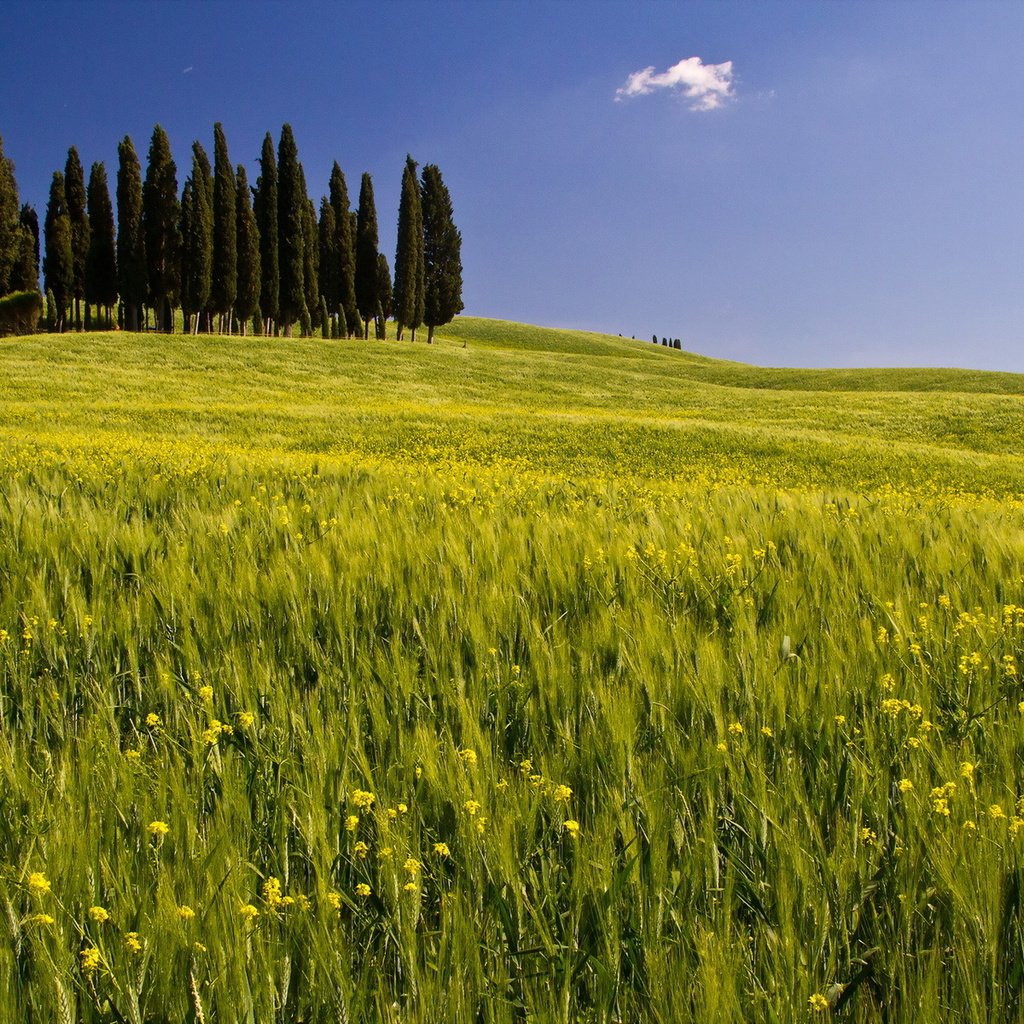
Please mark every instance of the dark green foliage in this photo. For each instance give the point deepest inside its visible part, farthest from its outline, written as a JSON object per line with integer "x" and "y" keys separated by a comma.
{"x": 265, "y": 209}
{"x": 51, "y": 311}
{"x": 131, "y": 240}
{"x": 385, "y": 296}
{"x": 20, "y": 312}
{"x": 25, "y": 273}
{"x": 311, "y": 261}
{"x": 291, "y": 217}
{"x": 366, "y": 254}
{"x": 10, "y": 228}
{"x": 197, "y": 241}
{"x": 346, "y": 253}
{"x": 442, "y": 253}
{"x": 74, "y": 194}
{"x": 409, "y": 285}
{"x": 225, "y": 235}
{"x": 58, "y": 262}
{"x": 247, "y": 296}
{"x": 101, "y": 260}
{"x": 325, "y": 319}
{"x": 330, "y": 276}
{"x": 161, "y": 218}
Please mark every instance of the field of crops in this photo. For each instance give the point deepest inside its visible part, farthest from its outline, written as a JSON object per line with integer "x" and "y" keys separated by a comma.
{"x": 530, "y": 677}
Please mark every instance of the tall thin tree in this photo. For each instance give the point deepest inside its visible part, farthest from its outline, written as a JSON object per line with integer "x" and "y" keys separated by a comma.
{"x": 408, "y": 300}
{"x": 291, "y": 218}
{"x": 197, "y": 241}
{"x": 385, "y": 295}
{"x": 74, "y": 192}
{"x": 311, "y": 264}
{"x": 345, "y": 246}
{"x": 161, "y": 215}
{"x": 133, "y": 283}
{"x": 25, "y": 273}
{"x": 100, "y": 261}
{"x": 10, "y": 227}
{"x": 442, "y": 253}
{"x": 58, "y": 264}
{"x": 366, "y": 254}
{"x": 330, "y": 276}
{"x": 225, "y": 235}
{"x": 247, "y": 246}
{"x": 265, "y": 209}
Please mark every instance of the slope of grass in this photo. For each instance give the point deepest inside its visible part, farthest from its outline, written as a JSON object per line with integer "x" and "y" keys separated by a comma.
{"x": 536, "y": 679}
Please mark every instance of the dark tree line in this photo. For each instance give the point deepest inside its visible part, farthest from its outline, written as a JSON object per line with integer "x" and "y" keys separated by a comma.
{"x": 228, "y": 255}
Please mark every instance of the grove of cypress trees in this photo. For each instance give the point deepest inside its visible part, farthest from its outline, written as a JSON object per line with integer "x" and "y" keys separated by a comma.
{"x": 161, "y": 217}
{"x": 366, "y": 254}
{"x": 442, "y": 253}
{"x": 10, "y": 226}
{"x": 100, "y": 260}
{"x": 265, "y": 209}
{"x": 291, "y": 217}
{"x": 74, "y": 194}
{"x": 385, "y": 295}
{"x": 247, "y": 246}
{"x": 197, "y": 241}
{"x": 408, "y": 298}
{"x": 58, "y": 264}
{"x": 25, "y": 273}
{"x": 330, "y": 276}
{"x": 131, "y": 240}
{"x": 225, "y": 235}
{"x": 345, "y": 246}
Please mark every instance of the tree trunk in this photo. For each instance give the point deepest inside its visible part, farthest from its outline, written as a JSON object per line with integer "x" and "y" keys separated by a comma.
{"x": 430, "y": 334}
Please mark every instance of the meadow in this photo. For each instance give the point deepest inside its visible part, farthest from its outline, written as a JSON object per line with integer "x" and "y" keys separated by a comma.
{"x": 532, "y": 676}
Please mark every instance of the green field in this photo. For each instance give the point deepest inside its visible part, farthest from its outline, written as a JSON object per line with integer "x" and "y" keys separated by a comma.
{"x": 532, "y": 676}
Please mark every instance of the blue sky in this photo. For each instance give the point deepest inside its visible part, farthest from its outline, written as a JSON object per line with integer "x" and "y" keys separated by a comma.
{"x": 856, "y": 196}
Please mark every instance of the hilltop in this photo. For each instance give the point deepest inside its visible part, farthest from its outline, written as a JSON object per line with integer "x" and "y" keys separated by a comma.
{"x": 567, "y": 403}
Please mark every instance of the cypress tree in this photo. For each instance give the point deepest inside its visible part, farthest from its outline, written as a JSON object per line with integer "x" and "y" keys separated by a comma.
{"x": 291, "y": 217}
{"x": 161, "y": 218}
{"x": 311, "y": 262}
{"x": 10, "y": 227}
{"x": 346, "y": 253}
{"x": 408, "y": 299}
{"x": 330, "y": 278}
{"x": 247, "y": 245}
{"x": 225, "y": 234}
{"x": 197, "y": 240}
{"x": 265, "y": 209}
{"x": 325, "y": 319}
{"x": 131, "y": 240}
{"x": 25, "y": 273}
{"x": 366, "y": 255}
{"x": 59, "y": 262}
{"x": 202, "y": 178}
{"x": 442, "y": 253}
{"x": 385, "y": 295}
{"x": 100, "y": 261}
{"x": 74, "y": 194}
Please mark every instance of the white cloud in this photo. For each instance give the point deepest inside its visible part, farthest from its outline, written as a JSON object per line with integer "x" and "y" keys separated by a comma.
{"x": 708, "y": 86}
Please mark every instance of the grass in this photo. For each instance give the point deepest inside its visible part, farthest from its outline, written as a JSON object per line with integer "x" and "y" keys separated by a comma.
{"x": 695, "y": 671}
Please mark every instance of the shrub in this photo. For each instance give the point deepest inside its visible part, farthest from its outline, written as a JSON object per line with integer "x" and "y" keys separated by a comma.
{"x": 19, "y": 313}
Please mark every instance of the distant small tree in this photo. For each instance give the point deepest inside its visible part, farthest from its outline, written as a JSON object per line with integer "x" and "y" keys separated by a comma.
{"x": 74, "y": 192}
{"x": 247, "y": 296}
{"x": 310, "y": 261}
{"x": 366, "y": 255}
{"x": 325, "y": 319}
{"x": 330, "y": 265}
{"x": 58, "y": 265}
{"x": 442, "y": 253}
{"x": 655, "y": 339}
{"x": 197, "y": 244}
{"x": 101, "y": 259}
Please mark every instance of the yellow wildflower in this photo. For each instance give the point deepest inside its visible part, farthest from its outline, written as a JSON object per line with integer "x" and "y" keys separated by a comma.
{"x": 133, "y": 942}
{"x": 361, "y": 849}
{"x": 352, "y": 823}
{"x": 363, "y": 799}
{"x": 38, "y": 883}
{"x": 206, "y": 694}
{"x": 185, "y": 912}
{"x": 561, "y": 793}
{"x": 572, "y": 827}
{"x": 334, "y": 899}
{"x": 246, "y": 719}
{"x": 412, "y": 865}
{"x": 362, "y": 889}
{"x": 249, "y": 912}
{"x": 153, "y": 720}
{"x": 90, "y": 959}
{"x": 158, "y": 828}
{"x": 468, "y": 757}
{"x": 472, "y": 807}
{"x": 441, "y": 849}
{"x": 818, "y": 1003}
{"x": 99, "y": 914}
{"x": 736, "y": 729}
{"x": 905, "y": 785}
{"x": 42, "y": 919}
